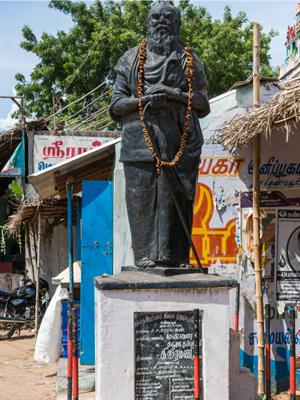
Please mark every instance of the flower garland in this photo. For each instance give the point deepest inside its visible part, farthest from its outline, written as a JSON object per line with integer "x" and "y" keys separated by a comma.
{"x": 140, "y": 92}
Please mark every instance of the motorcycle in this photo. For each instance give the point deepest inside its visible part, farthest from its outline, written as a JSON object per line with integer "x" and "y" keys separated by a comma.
{"x": 17, "y": 309}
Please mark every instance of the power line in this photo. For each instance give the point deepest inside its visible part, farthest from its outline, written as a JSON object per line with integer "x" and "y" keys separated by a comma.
{"x": 75, "y": 101}
{"x": 62, "y": 119}
{"x": 82, "y": 64}
{"x": 105, "y": 126}
{"x": 91, "y": 117}
{"x": 88, "y": 105}
{"x": 76, "y": 72}
{"x": 96, "y": 123}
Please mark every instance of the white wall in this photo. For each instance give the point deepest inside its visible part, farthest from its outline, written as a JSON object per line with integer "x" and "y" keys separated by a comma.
{"x": 54, "y": 251}
{"x": 115, "y": 337}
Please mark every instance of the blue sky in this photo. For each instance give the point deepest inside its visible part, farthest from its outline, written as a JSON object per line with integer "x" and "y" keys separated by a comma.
{"x": 15, "y": 14}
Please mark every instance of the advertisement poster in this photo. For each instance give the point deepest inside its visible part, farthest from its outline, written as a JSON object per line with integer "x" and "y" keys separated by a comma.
{"x": 288, "y": 255}
{"x": 50, "y": 150}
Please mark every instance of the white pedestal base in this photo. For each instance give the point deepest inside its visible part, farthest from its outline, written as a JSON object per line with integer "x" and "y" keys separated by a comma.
{"x": 116, "y": 303}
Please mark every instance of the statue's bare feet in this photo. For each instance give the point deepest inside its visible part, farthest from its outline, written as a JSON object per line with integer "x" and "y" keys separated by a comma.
{"x": 145, "y": 263}
{"x": 185, "y": 266}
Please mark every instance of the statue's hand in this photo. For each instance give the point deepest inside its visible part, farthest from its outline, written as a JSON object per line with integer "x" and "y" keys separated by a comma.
{"x": 158, "y": 100}
{"x": 162, "y": 89}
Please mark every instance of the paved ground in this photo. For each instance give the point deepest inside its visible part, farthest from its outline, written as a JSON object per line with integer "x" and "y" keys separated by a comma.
{"x": 286, "y": 396}
{"x": 20, "y": 377}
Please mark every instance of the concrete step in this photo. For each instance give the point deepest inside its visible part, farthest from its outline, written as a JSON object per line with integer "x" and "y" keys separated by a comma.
{"x": 86, "y": 377}
{"x": 82, "y": 396}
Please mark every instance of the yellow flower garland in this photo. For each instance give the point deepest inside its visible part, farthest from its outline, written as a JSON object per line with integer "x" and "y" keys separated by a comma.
{"x": 140, "y": 92}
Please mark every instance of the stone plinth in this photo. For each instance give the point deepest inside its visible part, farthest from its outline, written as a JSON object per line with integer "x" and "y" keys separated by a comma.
{"x": 119, "y": 297}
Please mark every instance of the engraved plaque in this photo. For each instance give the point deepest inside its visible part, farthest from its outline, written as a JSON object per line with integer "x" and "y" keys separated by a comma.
{"x": 165, "y": 344}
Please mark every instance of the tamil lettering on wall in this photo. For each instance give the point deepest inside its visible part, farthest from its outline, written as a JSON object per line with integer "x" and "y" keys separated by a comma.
{"x": 212, "y": 243}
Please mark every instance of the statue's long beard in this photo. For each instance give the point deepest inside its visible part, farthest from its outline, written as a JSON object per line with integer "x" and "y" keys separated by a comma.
{"x": 162, "y": 42}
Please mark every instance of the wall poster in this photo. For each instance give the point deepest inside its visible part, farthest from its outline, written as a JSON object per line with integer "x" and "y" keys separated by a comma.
{"x": 288, "y": 255}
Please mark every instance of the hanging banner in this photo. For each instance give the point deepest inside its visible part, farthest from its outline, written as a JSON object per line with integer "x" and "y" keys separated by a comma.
{"x": 15, "y": 165}
{"x": 288, "y": 255}
{"x": 50, "y": 150}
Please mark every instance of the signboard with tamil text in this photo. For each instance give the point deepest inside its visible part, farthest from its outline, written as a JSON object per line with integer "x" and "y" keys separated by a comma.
{"x": 50, "y": 150}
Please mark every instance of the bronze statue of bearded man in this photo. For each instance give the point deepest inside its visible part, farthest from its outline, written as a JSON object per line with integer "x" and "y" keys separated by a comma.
{"x": 159, "y": 96}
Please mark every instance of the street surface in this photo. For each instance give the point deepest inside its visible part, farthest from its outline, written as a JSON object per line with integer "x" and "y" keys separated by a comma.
{"x": 20, "y": 377}
{"x": 285, "y": 396}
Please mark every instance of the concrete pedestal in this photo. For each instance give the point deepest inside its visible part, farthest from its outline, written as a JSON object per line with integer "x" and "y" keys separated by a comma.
{"x": 120, "y": 296}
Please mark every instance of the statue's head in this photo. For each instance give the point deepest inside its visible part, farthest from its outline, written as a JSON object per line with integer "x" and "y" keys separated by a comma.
{"x": 163, "y": 27}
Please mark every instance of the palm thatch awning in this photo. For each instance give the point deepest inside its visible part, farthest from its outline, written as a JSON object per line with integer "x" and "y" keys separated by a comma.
{"x": 283, "y": 111}
{"x": 53, "y": 210}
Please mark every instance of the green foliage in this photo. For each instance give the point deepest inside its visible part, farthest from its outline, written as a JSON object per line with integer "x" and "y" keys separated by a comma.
{"x": 224, "y": 47}
{"x": 16, "y": 190}
{"x": 73, "y": 63}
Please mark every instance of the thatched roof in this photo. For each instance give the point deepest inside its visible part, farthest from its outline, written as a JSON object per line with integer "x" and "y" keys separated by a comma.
{"x": 282, "y": 111}
{"x": 54, "y": 211}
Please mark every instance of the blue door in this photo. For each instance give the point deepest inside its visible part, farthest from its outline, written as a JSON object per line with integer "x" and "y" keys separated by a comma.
{"x": 96, "y": 256}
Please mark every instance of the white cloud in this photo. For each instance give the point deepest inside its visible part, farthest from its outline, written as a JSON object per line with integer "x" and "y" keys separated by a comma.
{"x": 9, "y": 122}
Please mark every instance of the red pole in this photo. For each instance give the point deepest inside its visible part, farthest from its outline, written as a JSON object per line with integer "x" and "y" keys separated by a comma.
{"x": 71, "y": 285}
{"x": 69, "y": 367}
{"x": 75, "y": 355}
{"x": 268, "y": 352}
{"x": 196, "y": 356}
{"x": 237, "y": 308}
{"x": 292, "y": 357}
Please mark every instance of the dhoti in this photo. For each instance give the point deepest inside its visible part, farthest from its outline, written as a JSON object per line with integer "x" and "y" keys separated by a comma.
{"x": 156, "y": 230}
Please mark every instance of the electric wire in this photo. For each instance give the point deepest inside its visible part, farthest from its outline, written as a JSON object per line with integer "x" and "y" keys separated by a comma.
{"x": 96, "y": 123}
{"x": 75, "y": 101}
{"x": 82, "y": 64}
{"x": 76, "y": 72}
{"x": 82, "y": 109}
{"x": 77, "y": 122}
{"x": 105, "y": 126}
{"x": 91, "y": 117}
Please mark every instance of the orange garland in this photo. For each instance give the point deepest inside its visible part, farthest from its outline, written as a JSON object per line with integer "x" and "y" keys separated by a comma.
{"x": 140, "y": 92}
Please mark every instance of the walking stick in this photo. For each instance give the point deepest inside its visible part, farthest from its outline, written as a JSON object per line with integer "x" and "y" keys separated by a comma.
{"x": 177, "y": 205}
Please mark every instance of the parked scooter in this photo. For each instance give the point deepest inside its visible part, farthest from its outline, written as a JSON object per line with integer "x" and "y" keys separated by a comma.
{"x": 17, "y": 309}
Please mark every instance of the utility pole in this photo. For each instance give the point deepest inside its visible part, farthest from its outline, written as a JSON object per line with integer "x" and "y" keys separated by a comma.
{"x": 256, "y": 218}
